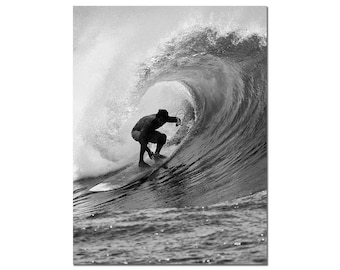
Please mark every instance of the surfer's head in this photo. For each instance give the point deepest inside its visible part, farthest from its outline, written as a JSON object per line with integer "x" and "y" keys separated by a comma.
{"x": 162, "y": 114}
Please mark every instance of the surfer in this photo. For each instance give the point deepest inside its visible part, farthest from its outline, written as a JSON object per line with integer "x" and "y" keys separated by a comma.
{"x": 145, "y": 131}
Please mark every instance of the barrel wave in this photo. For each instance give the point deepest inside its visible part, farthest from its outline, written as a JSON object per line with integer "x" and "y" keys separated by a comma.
{"x": 226, "y": 150}
{"x": 220, "y": 151}
{"x": 208, "y": 203}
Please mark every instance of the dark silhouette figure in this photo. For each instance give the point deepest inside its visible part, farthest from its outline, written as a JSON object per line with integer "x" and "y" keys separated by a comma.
{"x": 145, "y": 131}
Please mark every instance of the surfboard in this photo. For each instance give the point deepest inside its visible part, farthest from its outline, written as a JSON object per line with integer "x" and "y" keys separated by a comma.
{"x": 129, "y": 176}
{"x": 104, "y": 187}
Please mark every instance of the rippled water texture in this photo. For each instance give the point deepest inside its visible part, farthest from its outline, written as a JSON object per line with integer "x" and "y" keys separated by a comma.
{"x": 227, "y": 233}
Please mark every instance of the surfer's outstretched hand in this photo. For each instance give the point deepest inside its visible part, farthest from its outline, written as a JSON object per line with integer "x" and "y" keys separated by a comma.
{"x": 179, "y": 122}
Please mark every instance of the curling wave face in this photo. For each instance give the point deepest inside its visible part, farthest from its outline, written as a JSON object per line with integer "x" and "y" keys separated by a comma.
{"x": 220, "y": 152}
{"x": 227, "y": 77}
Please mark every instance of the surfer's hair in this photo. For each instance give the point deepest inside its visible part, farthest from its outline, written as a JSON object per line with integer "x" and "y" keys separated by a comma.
{"x": 162, "y": 113}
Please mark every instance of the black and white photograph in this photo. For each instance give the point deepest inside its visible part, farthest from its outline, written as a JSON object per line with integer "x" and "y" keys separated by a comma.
{"x": 170, "y": 135}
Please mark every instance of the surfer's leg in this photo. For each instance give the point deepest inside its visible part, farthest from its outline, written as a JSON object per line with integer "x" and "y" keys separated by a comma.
{"x": 141, "y": 156}
{"x": 160, "y": 142}
{"x": 143, "y": 147}
{"x": 160, "y": 139}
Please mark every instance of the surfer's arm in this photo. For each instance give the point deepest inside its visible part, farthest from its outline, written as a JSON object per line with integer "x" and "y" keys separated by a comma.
{"x": 172, "y": 119}
{"x": 145, "y": 131}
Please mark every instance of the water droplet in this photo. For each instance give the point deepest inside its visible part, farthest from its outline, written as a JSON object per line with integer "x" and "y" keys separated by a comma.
{"x": 125, "y": 262}
{"x": 156, "y": 233}
{"x": 83, "y": 228}
{"x": 107, "y": 255}
{"x": 237, "y": 244}
{"x": 110, "y": 226}
{"x": 162, "y": 230}
{"x": 167, "y": 259}
{"x": 261, "y": 234}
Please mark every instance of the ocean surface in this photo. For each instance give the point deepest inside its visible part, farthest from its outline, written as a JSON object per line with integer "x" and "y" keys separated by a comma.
{"x": 208, "y": 203}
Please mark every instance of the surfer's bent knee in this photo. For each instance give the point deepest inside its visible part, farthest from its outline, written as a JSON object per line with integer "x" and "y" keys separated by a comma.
{"x": 162, "y": 139}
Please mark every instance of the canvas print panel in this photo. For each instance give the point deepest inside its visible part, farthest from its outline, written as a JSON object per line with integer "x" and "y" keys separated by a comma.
{"x": 170, "y": 135}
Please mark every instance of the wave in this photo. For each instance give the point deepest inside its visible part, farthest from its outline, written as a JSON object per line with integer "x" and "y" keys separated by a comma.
{"x": 227, "y": 78}
{"x": 217, "y": 83}
{"x": 211, "y": 75}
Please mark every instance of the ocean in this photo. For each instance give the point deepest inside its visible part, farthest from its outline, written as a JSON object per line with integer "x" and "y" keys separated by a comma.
{"x": 208, "y": 203}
